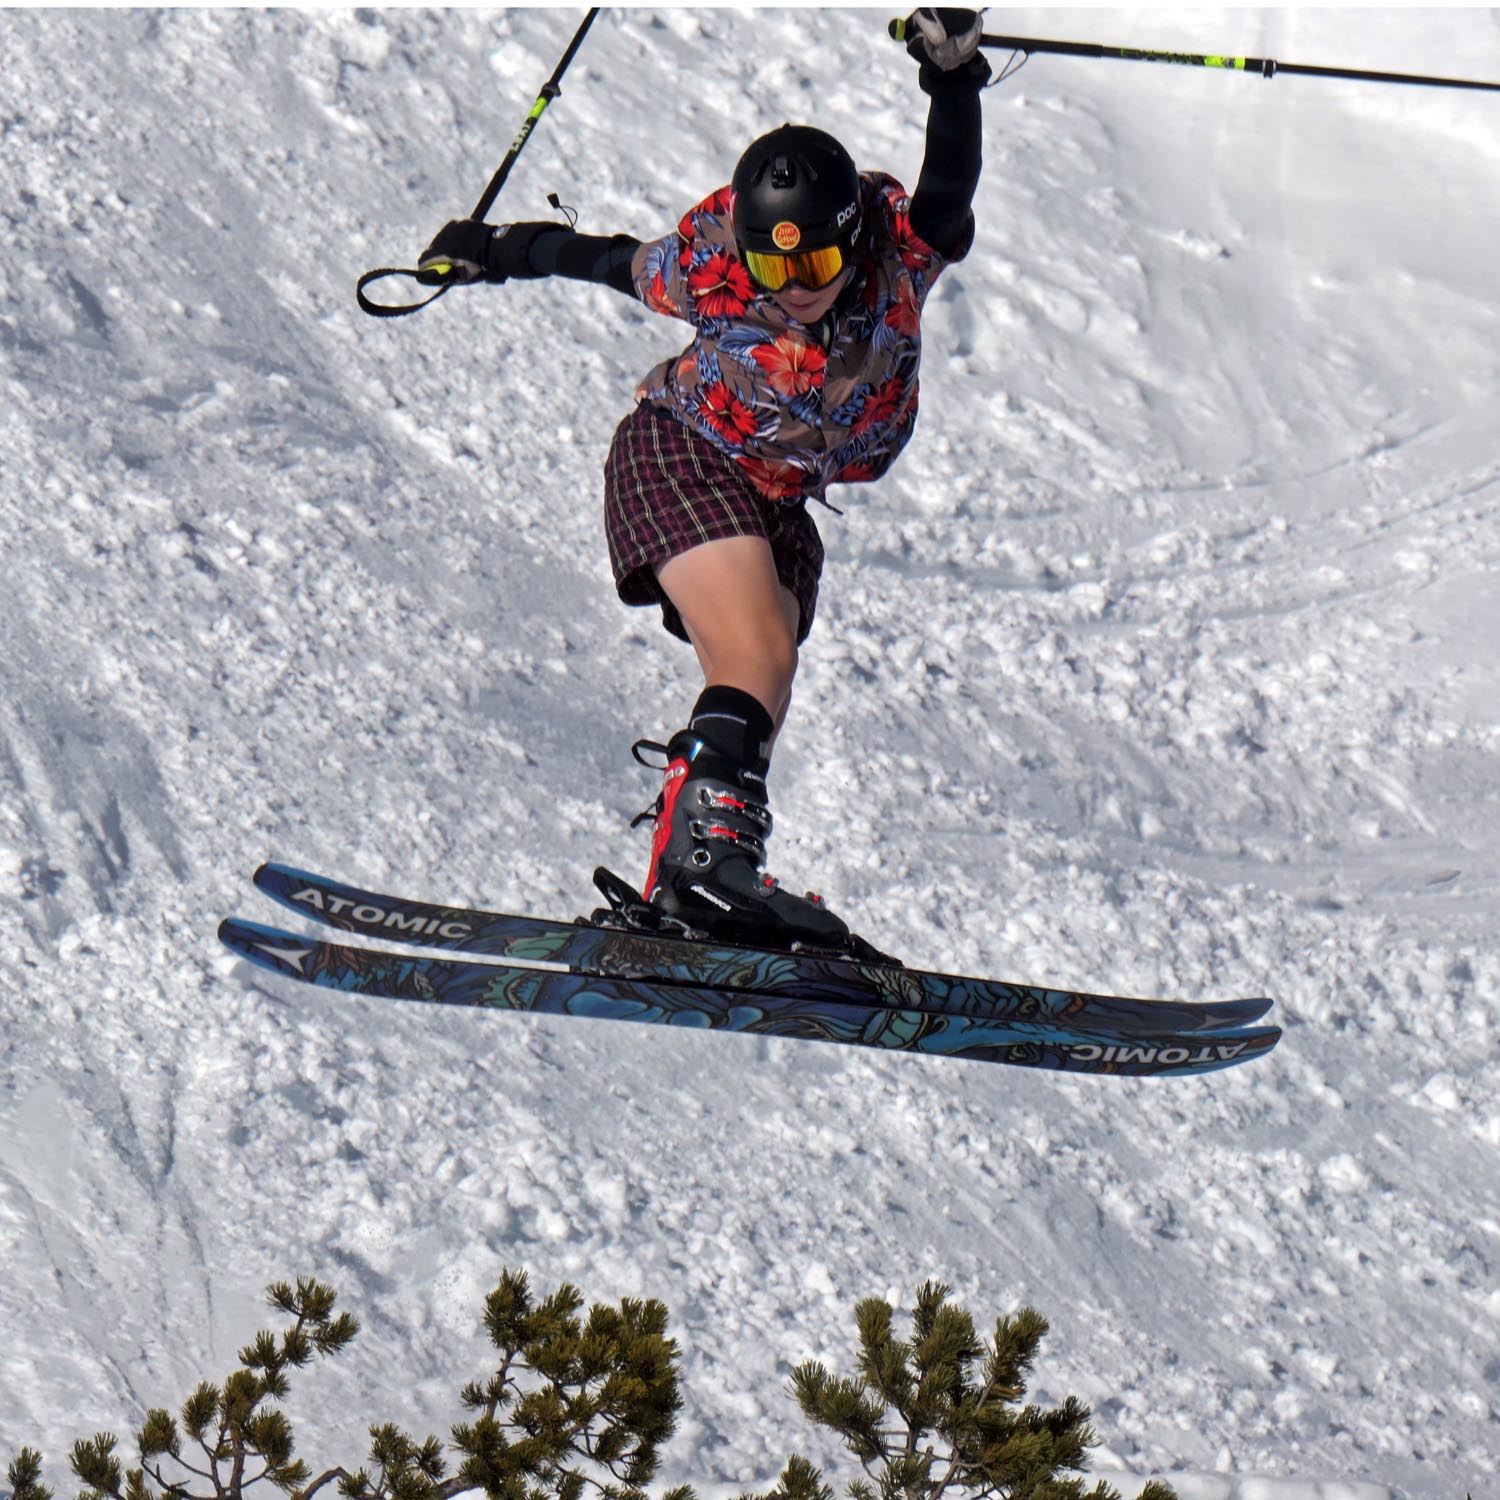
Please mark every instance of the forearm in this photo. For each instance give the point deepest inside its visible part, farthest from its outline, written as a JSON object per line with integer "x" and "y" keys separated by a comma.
{"x": 941, "y": 204}
{"x": 599, "y": 258}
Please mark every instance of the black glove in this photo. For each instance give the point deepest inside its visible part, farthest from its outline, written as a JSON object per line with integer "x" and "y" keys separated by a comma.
{"x": 467, "y": 250}
{"x": 946, "y": 43}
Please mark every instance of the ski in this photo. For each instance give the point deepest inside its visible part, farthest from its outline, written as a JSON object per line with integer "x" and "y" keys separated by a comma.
{"x": 633, "y": 954}
{"x": 1035, "y": 1041}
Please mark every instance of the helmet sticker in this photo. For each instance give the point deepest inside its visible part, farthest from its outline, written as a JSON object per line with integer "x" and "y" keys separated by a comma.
{"x": 786, "y": 235}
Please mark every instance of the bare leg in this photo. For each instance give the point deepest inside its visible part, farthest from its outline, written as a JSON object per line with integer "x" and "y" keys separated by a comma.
{"x": 743, "y": 624}
{"x": 740, "y": 617}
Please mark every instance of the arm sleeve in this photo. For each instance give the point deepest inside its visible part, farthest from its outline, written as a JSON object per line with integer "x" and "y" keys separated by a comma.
{"x": 602, "y": 259}
{"x": 940, "y": 206}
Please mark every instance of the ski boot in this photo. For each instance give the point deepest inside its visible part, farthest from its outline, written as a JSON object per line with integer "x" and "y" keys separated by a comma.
{"x": 706, "y": 879}
{"x": 708, "y": 849}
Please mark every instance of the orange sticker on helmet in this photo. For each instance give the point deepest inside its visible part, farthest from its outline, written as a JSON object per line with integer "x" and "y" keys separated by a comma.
{"x": 786, "y": 235}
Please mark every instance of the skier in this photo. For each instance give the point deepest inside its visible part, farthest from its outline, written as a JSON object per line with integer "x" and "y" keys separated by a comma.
{"x": 804, "y": 281}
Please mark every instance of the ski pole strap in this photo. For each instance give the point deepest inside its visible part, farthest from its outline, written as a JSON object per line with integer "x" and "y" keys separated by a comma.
{"x": 1266, "y": 67}
{"x": 382, "y": 310}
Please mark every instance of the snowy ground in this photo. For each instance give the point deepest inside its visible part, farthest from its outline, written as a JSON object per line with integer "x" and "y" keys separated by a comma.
{"x": 1165, "y": 662}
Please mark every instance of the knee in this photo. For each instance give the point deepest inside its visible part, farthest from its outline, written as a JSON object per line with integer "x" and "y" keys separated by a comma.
{"x": 768, "y": 641}
{"x": 788, "y": 626}
{"x": 762, "y": 662}
{"x": 781, "y": 651}
{"x": 768, "y": 658}
{"x": 786, "y": 636}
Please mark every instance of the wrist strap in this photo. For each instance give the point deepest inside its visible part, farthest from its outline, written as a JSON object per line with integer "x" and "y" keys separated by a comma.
{"x": 380, "y": 310}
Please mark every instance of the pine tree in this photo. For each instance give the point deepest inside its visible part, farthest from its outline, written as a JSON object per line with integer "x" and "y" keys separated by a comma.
{"x": 578, "y": 1406}
{"x": 235, "y": 1440}
{"x": 575, "y": 1406}
{"x": 938, "y": 1413}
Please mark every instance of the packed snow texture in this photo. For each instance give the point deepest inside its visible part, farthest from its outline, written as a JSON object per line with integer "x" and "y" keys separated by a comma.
{"x": 1164, "y": 663}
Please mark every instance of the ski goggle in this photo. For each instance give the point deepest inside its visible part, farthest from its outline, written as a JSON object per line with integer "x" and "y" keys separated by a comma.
{"x": 813, "y": 269}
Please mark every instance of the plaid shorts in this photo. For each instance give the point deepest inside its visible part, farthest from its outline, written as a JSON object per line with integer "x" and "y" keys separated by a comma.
{"x": 666, "y": 490}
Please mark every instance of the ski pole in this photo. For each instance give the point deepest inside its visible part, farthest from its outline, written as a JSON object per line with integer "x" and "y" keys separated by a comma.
{"x": 1267, "y": 67}
{"x": 441, "y": 276}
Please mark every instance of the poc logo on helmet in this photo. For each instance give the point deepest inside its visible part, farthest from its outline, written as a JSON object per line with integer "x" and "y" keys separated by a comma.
{"x": 846, "y": 214}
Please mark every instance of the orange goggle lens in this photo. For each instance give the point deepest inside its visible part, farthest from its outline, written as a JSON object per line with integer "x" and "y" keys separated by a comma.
{"x": 814, "y": 269}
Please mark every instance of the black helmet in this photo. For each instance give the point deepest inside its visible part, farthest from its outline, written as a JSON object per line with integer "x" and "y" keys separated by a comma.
{"x": 795, "y": 190}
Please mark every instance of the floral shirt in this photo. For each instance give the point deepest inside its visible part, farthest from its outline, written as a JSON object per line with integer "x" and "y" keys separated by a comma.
{"x": 797, "y": 414}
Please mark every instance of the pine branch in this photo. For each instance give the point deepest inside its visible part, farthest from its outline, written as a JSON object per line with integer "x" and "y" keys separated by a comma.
{"x": 25, "y": 1476}
{"x": 326, "y": 1477}
{"x": 174, "y": 1490}
{"x": 212, "y": 1474}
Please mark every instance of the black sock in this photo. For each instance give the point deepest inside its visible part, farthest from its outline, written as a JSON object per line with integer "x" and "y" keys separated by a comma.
{"x": 735, "y": 724}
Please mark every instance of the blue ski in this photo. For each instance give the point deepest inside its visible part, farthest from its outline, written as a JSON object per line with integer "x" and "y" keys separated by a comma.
{"x": 1036, "y": 1040}
{"x": 632, "y": 954}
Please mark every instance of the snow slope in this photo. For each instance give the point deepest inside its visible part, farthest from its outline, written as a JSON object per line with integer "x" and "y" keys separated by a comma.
{"x": 1165, "y": 662}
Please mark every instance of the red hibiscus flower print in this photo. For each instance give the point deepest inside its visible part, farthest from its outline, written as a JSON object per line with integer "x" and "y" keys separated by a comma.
{"x": 904, "y": 315}
{"x": 774, "y": 481}
{"x": 881, "y": 405}
{"x": 717, "y": 206}
{"x": 726, "y": 413}
{"x": 720, "y": 287}
{"x": 916, "y": 253}
{"x": 656, "y": 297}
{"x": 792, "y": 366}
